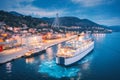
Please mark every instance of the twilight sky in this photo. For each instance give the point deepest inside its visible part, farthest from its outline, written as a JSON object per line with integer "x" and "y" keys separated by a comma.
{"x": 106, "y": 12}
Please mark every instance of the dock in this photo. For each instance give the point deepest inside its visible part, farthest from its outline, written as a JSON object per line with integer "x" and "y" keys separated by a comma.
{"x": 12, "y": 54}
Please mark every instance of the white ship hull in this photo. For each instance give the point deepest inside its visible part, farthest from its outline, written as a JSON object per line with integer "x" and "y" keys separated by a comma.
{"x": 80, "y": 54}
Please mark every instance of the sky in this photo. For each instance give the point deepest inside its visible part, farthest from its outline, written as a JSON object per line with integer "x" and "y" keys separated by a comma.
{"x": 104, "y": 12}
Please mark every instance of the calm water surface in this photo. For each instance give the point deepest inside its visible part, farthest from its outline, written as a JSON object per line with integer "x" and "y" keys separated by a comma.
{"x": 103, "y": 63}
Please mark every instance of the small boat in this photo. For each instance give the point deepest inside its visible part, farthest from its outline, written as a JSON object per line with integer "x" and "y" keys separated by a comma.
{"x": 34, "y": 52}
{"x": 74, "y": 51}
{"x": 29, "y": 53}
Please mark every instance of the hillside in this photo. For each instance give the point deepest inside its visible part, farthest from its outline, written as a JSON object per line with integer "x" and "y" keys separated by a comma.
{"x": 15, "y": 13}
{"x": 15, "y": 19}
{"x": 84, "y": 24}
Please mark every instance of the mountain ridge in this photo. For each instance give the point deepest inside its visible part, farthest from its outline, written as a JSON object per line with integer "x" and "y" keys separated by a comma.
{"x": 15, "y": 13}
{"x": 16, "y": 19}
{"x": 73, "y": 21}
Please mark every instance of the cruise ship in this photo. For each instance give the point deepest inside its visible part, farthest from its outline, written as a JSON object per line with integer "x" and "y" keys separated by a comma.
{"x": 74, "y": 50}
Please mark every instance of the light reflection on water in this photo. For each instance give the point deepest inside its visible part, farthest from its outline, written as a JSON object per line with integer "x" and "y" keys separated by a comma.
{"x": 85, "y": 63}
{"x": 29, "y": 60}
{"x": 49, "y": 53}
{"x": 42, "y": 57}
{"x": 99, "y": 37}
{"x": 8, "y": 67}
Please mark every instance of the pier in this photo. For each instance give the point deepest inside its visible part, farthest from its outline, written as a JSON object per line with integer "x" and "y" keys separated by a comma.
{"x": 14, "y": 53}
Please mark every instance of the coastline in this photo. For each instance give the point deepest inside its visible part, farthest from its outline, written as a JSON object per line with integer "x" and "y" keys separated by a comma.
{"x": 7, "y": 55}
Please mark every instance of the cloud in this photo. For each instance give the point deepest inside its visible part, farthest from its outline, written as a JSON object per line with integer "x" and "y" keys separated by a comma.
{"x": 37, "y": 12}
{"x": 98, "y": 15}
{"x": 91, "y": 3}
{"x": 104, "y": 19}
{"x": 109, "y": 21}
{"x": 6, "y": 4}
{"x": 25, "y": 7}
